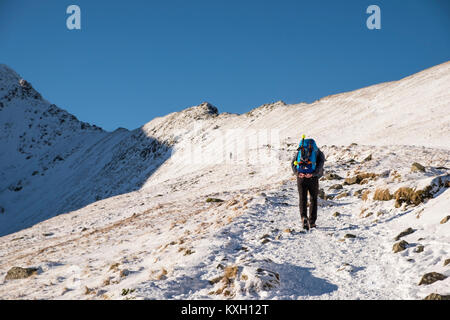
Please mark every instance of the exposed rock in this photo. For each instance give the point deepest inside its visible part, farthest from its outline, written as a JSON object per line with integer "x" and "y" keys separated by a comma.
{"x": 336, "y": 214}
{"x": 332, "y": 176}
{"x": 25, "y": 84}
{"x": 214, "y": 200}
{"x": 385, "y": 173}
{"x": 400, "y": 246}
{"x": 124, "y": 273}
{"x": 349, "y": 236}
{"x": 380, "y": 213}
{"x": 431, "y": 277}
{"x": 351, "y": 180}
{"x": 417, "y": 167}
{"x": 342, "y": 195}
{"x": 436, "y": 296}
{"x": 368, "y": 158}
{"x": 419, "y": 249}
{"x": 368, "y": 214}
{"x": 358, "y": 193}
{"x": 20, "y": 273}
{"x": 322, "y": 194}
{"x": 360, "y": 178}
{"x": 336, "y": 187}
{"x": 445, "y": 220}
{"x": 446, "y": 262}
{"x": 404, "y": 233}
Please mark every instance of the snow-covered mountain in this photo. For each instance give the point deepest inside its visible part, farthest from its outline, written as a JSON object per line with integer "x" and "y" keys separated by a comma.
{"x": 53, "y": 163}
{"x": 139, "y": 225}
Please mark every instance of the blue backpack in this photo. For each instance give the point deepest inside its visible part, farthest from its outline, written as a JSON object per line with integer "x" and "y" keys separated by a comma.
{"x": 307, "y": 156}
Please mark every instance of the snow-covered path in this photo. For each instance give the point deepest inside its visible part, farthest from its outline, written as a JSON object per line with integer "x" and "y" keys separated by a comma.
{"x": 321, "y": 263}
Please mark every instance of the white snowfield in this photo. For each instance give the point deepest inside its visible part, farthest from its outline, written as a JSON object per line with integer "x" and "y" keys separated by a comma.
{"x": 202, "y": 205}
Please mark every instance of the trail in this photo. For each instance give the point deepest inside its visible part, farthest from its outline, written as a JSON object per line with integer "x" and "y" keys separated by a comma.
{"x": 317, "y": 264}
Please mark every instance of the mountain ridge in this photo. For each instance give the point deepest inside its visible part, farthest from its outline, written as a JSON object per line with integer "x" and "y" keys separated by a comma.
{"x": 47, "y": 147}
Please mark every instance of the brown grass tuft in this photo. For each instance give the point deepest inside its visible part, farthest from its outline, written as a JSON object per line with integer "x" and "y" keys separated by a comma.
{"x": 382, "y": 195}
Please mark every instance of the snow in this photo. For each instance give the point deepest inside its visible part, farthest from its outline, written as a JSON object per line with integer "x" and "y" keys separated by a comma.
{"x": 138, "y": 226}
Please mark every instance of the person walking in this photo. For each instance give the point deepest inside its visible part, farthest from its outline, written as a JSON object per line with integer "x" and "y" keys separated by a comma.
{"x": 307, "y": 165}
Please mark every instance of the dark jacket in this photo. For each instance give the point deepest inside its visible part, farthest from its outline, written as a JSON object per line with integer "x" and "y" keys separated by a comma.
{"x": 319, "y": 165}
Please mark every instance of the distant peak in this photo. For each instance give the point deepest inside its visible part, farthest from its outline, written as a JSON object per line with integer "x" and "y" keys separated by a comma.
{"x": 204, "y": 110}
{"x": 209, "y": 108}
{"x": 8, "y": 74}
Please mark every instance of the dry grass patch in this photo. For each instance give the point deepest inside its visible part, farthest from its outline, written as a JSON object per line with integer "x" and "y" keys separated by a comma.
{"x": 411, "y": 196}
{"x": 382, "y": 195}
{"x": 365, "y": 195}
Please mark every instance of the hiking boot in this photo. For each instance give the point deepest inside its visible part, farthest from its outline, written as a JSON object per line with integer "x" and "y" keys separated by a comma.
{"x": 312, "y": 225}
{"x": 305, "y": 224}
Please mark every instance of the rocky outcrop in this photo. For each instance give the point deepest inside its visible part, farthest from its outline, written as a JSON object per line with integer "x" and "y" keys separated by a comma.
{"x": 400, "y": 246}
{"x": 436, "y": 296}
{"x": 431, "y": 277}
{"x": 404, "y": 233}
{"x": 417, "y": 167}
{"x": 20, "y": 273}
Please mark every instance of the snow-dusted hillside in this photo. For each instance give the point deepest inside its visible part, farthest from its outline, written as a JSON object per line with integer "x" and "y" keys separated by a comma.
{"x": 52, "y": 163}
{"x": 153, "y": 234}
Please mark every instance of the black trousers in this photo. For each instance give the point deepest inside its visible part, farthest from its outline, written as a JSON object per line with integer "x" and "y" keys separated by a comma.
{"x": 304, "y": 186}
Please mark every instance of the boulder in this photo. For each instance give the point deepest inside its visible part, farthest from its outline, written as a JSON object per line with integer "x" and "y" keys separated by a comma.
{"x": 417, "y": 167}
{"x": 322, "y": 194}
{"x": 332, "y": 176}
{"x": 431, "y": 277}
{"x": 336, "y": 186}
{"x": 404, "y": 233}
{"x": 400, "y": 246}
{"x": 436, "y": 296}
{"x": 351, "y": 180}
{"x": 419, "y": 249}
{"x": 445, "y": 220}
{"x": 342, "y": 195}
{"x": 20, "y": 273}
{"x": 446, "y": 262}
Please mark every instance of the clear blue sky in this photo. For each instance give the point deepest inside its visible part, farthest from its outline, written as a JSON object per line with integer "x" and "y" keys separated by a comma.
{"x": 135, "y": 60}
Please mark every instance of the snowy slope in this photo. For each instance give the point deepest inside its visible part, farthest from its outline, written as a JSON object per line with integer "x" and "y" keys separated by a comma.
{"x": 52, "y": 163}
{"x": 155, "y": 234}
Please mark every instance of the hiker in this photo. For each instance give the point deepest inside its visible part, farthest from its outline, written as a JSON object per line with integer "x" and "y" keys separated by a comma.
{"x": 307, "y": 165}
